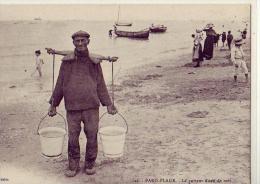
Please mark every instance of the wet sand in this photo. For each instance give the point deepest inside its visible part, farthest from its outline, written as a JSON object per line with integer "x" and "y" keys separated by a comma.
{"x": 184, "y": 124}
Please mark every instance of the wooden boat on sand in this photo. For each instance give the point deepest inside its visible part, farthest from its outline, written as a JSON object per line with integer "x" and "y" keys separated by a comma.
{"x": 158, "y": 28}
{"x": 143, "y": 34}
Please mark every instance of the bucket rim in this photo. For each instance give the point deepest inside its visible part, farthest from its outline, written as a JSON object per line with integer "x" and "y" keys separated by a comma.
{"x": 125, "y": 122}
{"x": 51, "y": 156}
{"x": 42, "y": 119}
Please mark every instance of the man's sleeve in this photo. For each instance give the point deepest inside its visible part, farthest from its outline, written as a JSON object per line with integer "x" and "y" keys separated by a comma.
{"x": 57, "y": 94}
{"x": 102, "y": 89}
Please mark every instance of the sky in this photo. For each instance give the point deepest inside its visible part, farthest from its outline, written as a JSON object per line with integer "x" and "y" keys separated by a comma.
{"x": 127, "y": 11}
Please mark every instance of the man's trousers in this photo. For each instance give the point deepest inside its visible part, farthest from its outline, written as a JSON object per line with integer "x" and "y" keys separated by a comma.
{"x": 90, "y": 119}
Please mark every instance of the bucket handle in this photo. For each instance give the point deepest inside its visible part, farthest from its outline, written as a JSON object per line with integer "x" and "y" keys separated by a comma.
{"x": 119, "y": 115}
{"x": 65, "y": 122}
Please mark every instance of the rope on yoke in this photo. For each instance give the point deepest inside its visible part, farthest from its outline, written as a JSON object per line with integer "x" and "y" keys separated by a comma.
{"x": 53, "y": 69}
{"x": 113, "y": 99}
{"x": 53, "y": 65}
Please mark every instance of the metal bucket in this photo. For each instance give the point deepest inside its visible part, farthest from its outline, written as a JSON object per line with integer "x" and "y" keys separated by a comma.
{"x": 113, "y": 139}
{"x": 52, "y": 138}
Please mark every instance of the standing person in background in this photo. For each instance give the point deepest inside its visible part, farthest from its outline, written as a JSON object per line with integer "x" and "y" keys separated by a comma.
{"x": 216, "y": 40}
{"x": 238, "y": 59}
{"x": 223, "y": 37}
{"x": 209, "y": 41}
{"x": 229, "y": 39}
{"x": 110, "y": 33}
{"x": 38, "y": 63}
{"x": 197, "y": 55}
{"x": 83, "y": 87}
{"x": 199, "y": 35}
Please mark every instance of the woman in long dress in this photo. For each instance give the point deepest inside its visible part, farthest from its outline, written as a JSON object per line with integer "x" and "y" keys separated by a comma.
{"x": 209, "y": 41}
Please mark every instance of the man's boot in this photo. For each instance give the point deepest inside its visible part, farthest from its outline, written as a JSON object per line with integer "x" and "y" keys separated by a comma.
{"x": 71, "y": 172}
{"x": 72, "y": 169}
{"x": 90, "y": 168}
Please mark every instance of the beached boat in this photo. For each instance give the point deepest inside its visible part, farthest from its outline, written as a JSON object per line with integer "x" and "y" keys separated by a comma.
{"x": 158, "y": 28}
{"x": 143, "y": 34}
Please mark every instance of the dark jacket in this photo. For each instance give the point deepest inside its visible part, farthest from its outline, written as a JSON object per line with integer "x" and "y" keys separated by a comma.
{"x": 229, "y": 38}
{"x": 216, "y": 38}
{"x": 224, "y": 37}
{"x": 81, "y": 83}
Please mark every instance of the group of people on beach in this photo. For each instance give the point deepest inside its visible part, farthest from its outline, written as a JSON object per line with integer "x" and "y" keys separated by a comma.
{"x": 198, "y": 53}
{"x": 224, "y": 37}
{"x": 80, "y": 82}
{"x": 236, "y": 51}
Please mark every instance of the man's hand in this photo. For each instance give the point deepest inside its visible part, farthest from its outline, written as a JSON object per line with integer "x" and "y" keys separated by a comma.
{"x": 112, "y": 59}
{"x": 50, "y": 50}
{"x": 52, "y": 111}
{"x": 111, "y": 109}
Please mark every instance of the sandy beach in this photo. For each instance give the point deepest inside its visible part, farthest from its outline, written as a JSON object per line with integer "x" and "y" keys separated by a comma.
{"x": 186, "y": 125}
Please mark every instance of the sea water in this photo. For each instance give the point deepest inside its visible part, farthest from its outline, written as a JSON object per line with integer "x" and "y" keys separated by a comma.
{"x": 20, "y": 39}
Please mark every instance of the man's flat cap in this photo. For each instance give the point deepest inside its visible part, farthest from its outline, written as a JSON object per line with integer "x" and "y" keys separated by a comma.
{"x": 80, "y": 33}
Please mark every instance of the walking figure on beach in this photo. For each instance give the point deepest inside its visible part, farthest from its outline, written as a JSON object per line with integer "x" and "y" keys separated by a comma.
{"x": 81, "y": 83}
{"x": 38, "y": 63}
{"x": 237, "y": 58}
{"x": 229, "y": 39}
{"x": 209, "y": 41}
{"x": 223, "y": 38}
{"x": 110, "y": 33}
{"x": 197, "y": 55}
{"x": 216, "y": 39}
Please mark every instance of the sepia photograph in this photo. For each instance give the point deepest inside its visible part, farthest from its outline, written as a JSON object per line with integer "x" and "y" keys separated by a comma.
{"x": 128, "y": 93}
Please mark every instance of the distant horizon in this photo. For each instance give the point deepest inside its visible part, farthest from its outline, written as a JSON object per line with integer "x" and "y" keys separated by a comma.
{"x": 129, "y": 12}
{"x": 60, "y": 20}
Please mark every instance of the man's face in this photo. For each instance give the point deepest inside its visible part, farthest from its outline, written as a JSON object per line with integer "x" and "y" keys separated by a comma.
{"x": 81, "y": 43}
